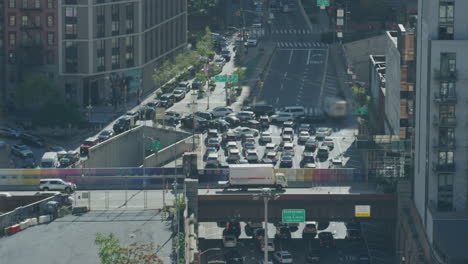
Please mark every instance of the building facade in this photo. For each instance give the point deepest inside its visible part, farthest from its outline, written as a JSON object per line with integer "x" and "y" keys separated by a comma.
{"x": 440, "y": 190}
{"x": 29, "y": 41}
{"x": 109, "y": 49}
{"x": 2, "y": 57}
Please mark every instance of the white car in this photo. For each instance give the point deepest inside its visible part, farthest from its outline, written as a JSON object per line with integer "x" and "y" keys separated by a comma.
{"x": 282, "y": 117}
{"x": 270, "y": 147}
{"x": 323, "y": 132}
{"x": 265, "y": 137}
{"x": 231, "y": 145}
{"x": 288, "y": 131}
{"x": 57, "y": 185}
{"x": 245, "y": 115}
{"x": 283, "y": 257}
{"x": 251, "y": 42}
{"x": 270, "y": 247}
{"x": 303, "y": 136}
{"x": 233, "y": 156}
{"x": 328, "y": 142}
{"x": 288, "y": 147}
{"x": 212, "y": 159}
{"x": 251, "y": 155}
{"x": 229, "y": 241}
{"x": 221, "y": 111}
{"x": 240, "y": 131}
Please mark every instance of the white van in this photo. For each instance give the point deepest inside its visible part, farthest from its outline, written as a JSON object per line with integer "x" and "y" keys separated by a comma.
{"x": 50, "y": 160}
{"x": 296, "y": 111}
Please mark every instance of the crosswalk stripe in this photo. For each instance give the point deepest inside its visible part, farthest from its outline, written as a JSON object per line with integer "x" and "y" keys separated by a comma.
{"x": 300, "y": 44}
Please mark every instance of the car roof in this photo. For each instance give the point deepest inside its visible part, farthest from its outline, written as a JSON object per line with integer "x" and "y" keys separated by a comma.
{"x": 234, "y": 150}
{"x": 270, "y": 145}
{"x": 213, "y": 154}
{"x": 288, "y": 144}
{"x": 51, "y": 179}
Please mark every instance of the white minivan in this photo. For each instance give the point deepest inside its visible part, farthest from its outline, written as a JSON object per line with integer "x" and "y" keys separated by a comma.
{"x": 296, "y": 111}
{"x": 50, "y": 160}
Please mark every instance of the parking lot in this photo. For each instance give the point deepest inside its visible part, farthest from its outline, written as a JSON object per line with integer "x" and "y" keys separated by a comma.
{"x": 345, "y": 250}
{"x": 343, "y": 148}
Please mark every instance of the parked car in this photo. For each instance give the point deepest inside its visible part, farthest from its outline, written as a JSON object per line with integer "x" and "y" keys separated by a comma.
{"x": 105, "y": 135}
{"x": 265, "y": 137}
{"x": 270, "y": 147}
{"x": 245, "y": 115}
{"x": 307, "y": 158}
{"x": 353, "y": 234}
{"x": 22, "y": 151}
{"x": 183, "y": 86}
{"x": 172, "y": 117}
{"x": 196, "y": 85}
{"x": 251, "y": 156}
{"x": 9, "y": 132}
{"x": 281, "y": 117}
{"x": 232, "y": 120}
{"x": 179, "y": 94}
{"x": 87, "y": 144}
{"x": 234, "y": 257}
{"x": 123, "y": 124}
{"x": 233, "y": 156}
{"x": 229, "y": 137}
{"x": 310, "y": 145}
{"x": 261, "y": 109}
{"x": 283, "y": 257}
{"x": 253, "y": 124}
{"x": 56, "y": 185}
{"x": 309, "y": 231}
{"x": 264, "y": 121}
{"x": 303, "y": 137}
{"x": 167, "y": 100}
{"x": 288, "y": 131}
{"x": 322, "y": 152}
{"x": 286, "y": 161}
{"x": 270, "y": 245}
{"x": 248, "y": 146}
{"x": 32, "y": 140}
{"x": 205, "y": 115}
{"x": 323, "y": 132}
{"x": 229, "y": 241}
{"x": 245, "y": 130}
{"x": 326, "y": 239}
{"x": 270, "y": 158}
{"x": 304, "y": 127}
{"x": 221, "y": 111}
{"x": 327, "y": 141}
{"x": 313, "y": 256}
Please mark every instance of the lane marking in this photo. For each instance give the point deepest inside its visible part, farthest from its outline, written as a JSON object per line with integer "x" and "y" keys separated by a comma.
{"x": 308, "y": 57}
{"x": 281, "y": 87}
{"x": 277, "y": 100}
{"x": 290, "y": 56}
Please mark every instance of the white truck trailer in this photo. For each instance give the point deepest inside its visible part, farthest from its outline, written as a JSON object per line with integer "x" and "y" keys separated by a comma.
{"x": 335, "y": 107}
{"x": 245, "y": 176}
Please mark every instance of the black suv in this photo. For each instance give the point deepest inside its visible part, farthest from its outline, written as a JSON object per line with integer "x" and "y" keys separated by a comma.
{"x": 326, "y": 239}
{"x": 261, "y": 109}
{"x": 234, "y": 257}
{"x": 167, "y": 100}
{"x": 123, "y": 124}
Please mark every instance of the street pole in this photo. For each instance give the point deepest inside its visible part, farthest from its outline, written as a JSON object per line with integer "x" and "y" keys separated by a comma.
{"x": 177, "y": 218}
{"x": 266, "y": 196}
{"x": 143, "y": 156}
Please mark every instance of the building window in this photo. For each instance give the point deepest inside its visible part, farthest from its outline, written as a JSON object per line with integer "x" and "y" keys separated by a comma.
{"x": 50, "y": 38}
{"x": 70, "y": 31}
{"x": 100, "y": 64}
{"x": 129, "y": 26}
{"x": 50, "y": 3}
{"x": 446, "y": 12}
{"x": 446, "y": 158}
{"x": 70, "y": 12}
{"x": 24, "y": 3}
{"x": 12, "y": 3}
{"x": 447, "y": 89}
{"x": 115, "y": 27}
{"x": 37, "y": 3}
{"x": 37, "y": 21}
{"x": 50, "y": 21}
{"x": 448, "y": 62}
{"x": 115, "y": 59}
{"x": 12, "y": 39}
{"x": 447, "y": 111}
{"x": 12, "y": 20}
{"x": 100, "y": 30}
{"x": 447, "y": 137}
{"x": 24, "y": 21}
{"x": 445, "y": 192}
{"x": 71, "y": 57}
{"x": 115, "y": 12}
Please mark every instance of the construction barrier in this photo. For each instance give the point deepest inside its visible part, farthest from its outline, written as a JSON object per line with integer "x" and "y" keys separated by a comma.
{"x": 45, "y": 219}
{"x": 14, "y": 229}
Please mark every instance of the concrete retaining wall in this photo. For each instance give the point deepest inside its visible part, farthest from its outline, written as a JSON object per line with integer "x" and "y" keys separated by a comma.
{"x": 126, "y": 149}
{"x": 169, "y": 153}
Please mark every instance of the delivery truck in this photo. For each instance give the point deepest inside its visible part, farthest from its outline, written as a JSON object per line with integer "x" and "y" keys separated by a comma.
{"x": 245, "y": 176}
{"x": 335, "y": 107}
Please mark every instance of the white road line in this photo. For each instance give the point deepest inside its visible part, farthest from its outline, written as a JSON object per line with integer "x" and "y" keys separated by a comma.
{"x": 277, "y": 100}
{"x": 308, "y": 57}
{"x": 281, "y": 87}
{"x": 290, "y": 56}
{"x": 285, "y": 74}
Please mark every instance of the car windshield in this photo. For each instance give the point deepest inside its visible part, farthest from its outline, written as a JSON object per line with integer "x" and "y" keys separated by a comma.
{"x": 46, "y": 164}
{"x": 88, "y": 142}
{"x": 105, "y": 133}
{"x": 287, "y": 158}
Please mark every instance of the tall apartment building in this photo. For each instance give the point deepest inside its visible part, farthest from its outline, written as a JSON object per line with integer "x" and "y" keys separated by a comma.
{"x": 2, "y": 56}
{"x": 109, "y": 49}
{"x": 440, "y": 191}
{"x": 29, "y": 40}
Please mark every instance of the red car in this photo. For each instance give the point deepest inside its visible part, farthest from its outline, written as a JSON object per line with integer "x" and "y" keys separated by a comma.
{"x": 87, "y": 144}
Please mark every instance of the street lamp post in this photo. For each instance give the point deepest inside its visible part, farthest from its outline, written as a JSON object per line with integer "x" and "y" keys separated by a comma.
{"x": 175, "y": 185}
{"x": 203, "y": 252}
{"x": 267, "y": 194}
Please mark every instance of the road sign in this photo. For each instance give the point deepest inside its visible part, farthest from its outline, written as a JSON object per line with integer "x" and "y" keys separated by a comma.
{"x": 362, "y": 211}
{"x": 221, "y": 78}
{"x": 293, "y": 216}
{"x": 156, "y": 146}
{"x": 323, "y": 3}
{"x": 233, "y": 78}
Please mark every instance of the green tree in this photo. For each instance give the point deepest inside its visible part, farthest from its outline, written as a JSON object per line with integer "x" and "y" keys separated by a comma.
{"x": 205, "y": 46}
{"x": 110, "y": 251}
{"x": 35, "y": 90}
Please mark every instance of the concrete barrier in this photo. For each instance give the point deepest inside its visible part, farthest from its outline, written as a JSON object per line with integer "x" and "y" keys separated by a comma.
{"x": 169, "y": 153}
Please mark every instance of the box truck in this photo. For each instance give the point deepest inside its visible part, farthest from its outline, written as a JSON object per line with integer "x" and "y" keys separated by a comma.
{"x": 245, "y": 176}
{"x": 335, "y": 107}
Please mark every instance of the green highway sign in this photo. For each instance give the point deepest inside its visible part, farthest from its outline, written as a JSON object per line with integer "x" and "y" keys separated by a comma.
{"x": 226, "y": 78}
{"x": 233, "y": 78}
{"x": 293, "y": 216}
{"x": 156, "y": 146}
{"x": 221, "y": 78}
{"x": 323, "y": 2}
